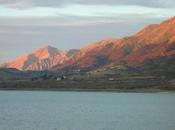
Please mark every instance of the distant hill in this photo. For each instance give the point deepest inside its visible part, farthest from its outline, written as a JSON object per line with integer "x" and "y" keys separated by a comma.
{"x": 153, "y": 42}
{"x": 10, "y": 74}
{"x": 43, "y": 59}
{"x": 163, "y": 67}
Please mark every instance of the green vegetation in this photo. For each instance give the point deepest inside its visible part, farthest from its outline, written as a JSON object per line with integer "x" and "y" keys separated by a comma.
{"x": 154, "y": 75}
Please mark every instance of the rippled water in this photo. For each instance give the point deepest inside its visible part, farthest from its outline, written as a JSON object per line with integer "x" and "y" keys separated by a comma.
{"x": 40, "y": 110}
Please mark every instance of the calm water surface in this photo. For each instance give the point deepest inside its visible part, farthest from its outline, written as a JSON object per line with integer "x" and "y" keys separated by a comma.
{"x": 37, "y": 110}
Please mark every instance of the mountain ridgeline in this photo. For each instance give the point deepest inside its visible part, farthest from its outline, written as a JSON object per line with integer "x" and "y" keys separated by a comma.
{"x": 43, "y": 59}
{"x": 150, "y": 44}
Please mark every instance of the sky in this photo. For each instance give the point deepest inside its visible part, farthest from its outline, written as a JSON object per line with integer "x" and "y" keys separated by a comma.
{"x": 27, "y": 25}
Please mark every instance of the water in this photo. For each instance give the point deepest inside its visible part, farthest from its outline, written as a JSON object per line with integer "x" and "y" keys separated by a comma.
{"x": 37, "y": 110}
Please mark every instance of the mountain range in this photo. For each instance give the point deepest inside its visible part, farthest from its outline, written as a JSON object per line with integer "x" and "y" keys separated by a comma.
{"x": 42, "y": 59}
{"x": 151, "y": 43}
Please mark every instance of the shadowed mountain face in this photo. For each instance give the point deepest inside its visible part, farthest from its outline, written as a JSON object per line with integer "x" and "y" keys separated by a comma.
{"x": 72, "y": 53}
{"x": 152, "y": 43}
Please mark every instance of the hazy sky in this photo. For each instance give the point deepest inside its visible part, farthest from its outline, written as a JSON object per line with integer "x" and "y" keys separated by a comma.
{"x": 26, "y": 25}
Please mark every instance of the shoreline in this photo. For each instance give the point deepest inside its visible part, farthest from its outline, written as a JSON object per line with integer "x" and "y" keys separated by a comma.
{"x": 89, "y": 86}
{"x": 139, "y": 90}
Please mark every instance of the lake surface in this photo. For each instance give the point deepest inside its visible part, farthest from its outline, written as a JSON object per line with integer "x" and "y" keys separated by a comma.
{"x": 41, "y": 110}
